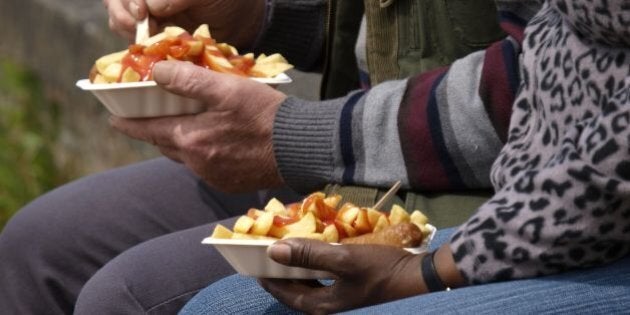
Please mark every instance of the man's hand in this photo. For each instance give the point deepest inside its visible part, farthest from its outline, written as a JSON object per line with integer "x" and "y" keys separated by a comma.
{"x": 230, "y": 144}
{"x": 236, "y": 22}
{"x": 367, "y": 274}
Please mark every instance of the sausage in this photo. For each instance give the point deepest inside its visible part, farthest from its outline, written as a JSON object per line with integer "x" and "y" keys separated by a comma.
{"x": 399, "y": 235}
{"x": 93, "y": 73}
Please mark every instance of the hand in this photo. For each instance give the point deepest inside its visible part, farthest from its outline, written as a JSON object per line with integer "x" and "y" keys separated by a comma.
{"x": 236, "y": 22}
{"x": 367, "y": 274}
{"x": 230, "y": 144}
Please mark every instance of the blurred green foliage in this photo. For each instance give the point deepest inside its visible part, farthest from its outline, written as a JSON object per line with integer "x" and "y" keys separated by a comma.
{"x": 28, "y": 129}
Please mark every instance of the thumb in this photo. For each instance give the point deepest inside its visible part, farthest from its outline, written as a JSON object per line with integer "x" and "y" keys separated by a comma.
{"x": 307, "y": 253}
{"x": 189, "y": 80}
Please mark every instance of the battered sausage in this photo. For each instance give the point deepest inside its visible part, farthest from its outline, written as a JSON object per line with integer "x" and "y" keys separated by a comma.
{"x": 399, "y": 235}
{"x": 93, "y": 73}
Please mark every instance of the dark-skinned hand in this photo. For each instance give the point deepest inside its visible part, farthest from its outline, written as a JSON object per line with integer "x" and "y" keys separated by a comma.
{"x": 366, "y": 275}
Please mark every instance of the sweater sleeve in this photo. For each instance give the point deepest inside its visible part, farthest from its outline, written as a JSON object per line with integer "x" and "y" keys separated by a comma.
{"x": 563, "y": 178}
{"x": 434, "y": 131}
{"x": 294, "y": 28}
{"x": 573, "y": 212}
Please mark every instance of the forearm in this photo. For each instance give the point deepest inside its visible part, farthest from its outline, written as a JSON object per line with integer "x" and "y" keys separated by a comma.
{"x": 562, "y": 180}
{"x": 321, "y": 142}
{"x": 434, "y": 131}
{"x": 414, "y": 130}
{"x": 388, "y": 134}
{"x": 572, "y": 212}
{"x": 294, "y": 29}
{"x": 303, "y": 138}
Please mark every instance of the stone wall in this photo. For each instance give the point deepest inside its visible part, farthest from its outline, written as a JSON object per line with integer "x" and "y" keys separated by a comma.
{"x": 59, "y": 40}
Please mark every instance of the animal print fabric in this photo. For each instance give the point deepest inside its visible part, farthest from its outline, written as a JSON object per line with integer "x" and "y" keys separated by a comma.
{"x": 563, "y": 179}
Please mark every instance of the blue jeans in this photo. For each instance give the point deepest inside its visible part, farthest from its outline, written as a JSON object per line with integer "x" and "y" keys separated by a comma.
{"x": 602, "y": 290}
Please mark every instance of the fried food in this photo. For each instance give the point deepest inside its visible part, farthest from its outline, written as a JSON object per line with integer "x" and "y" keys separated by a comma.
{"x": 174, "y": 43}
{"x": 399, "y": 235}
{"x": 320, "y": 217}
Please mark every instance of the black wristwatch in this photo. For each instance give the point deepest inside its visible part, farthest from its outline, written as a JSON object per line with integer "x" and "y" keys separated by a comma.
{"x": 430, "y": 275}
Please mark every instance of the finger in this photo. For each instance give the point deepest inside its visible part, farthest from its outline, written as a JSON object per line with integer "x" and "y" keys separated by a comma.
{"x": 186, "y": 79}
{"x": 300, "y": 296}
{"x": 312, "y": 283}
{"x": 120, "y": 19}
{"x": 122, "y": 32}
{"x": 156, "y": 131}
{"x": 167, "y": 7}
{"x": 312, "y": 254}
{"x": 137, "y": 8}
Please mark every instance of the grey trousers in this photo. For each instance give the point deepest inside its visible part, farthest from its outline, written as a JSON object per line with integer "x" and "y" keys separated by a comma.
{"x": 126, "y": 241}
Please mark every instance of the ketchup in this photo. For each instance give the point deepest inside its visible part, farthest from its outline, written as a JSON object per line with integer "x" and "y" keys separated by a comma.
{"x": 141, "y": 59}
{"x": 139, "y": 62}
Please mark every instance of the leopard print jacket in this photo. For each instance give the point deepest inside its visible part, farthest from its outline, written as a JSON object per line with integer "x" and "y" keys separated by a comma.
{"x": 563, "y": 179}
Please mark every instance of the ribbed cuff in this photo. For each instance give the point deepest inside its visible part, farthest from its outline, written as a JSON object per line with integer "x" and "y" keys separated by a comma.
{"x": 294, "y": 28}
{"x": 303, "y": 138}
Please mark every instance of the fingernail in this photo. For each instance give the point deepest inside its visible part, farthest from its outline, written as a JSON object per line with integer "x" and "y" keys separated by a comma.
{"x": 135, "y": 10}
{"x": 280, "y": 253}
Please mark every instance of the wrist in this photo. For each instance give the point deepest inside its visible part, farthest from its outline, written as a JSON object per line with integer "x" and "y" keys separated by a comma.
{"x": 432, "y": 280}
{"x": 447, "y": 269}
{"x": 439, "y": 272}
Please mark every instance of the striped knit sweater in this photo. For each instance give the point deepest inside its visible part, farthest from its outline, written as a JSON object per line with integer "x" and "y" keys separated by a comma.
{"x": 436, "y": 131}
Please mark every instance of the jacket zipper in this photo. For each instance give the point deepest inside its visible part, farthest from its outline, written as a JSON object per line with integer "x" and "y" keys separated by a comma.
{"x": 329, "y": 29}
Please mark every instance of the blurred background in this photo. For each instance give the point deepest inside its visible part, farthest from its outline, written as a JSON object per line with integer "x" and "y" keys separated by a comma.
{"x": 50, "y": 131}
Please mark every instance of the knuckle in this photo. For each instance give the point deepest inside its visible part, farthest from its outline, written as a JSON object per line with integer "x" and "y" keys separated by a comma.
{"x": 112, "y": 24}
{"x": 119, "y": 22}
{"x": 191, "y": 149}
{"x": 183, "y": 141}
{"x": 213, "y": 154}
{"x": 117, "y": 16}
{"x": 177, "y": 75}
{"x": 343, "y": 256}
{"x": 303, "y": 257}
{"x": 344, "y": 260}
{"x": 302, "y": 251}
{"x": 187, "y": 77}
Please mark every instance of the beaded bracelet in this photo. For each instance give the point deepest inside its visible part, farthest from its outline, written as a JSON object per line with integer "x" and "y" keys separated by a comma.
{"x": 430, "y": 275}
